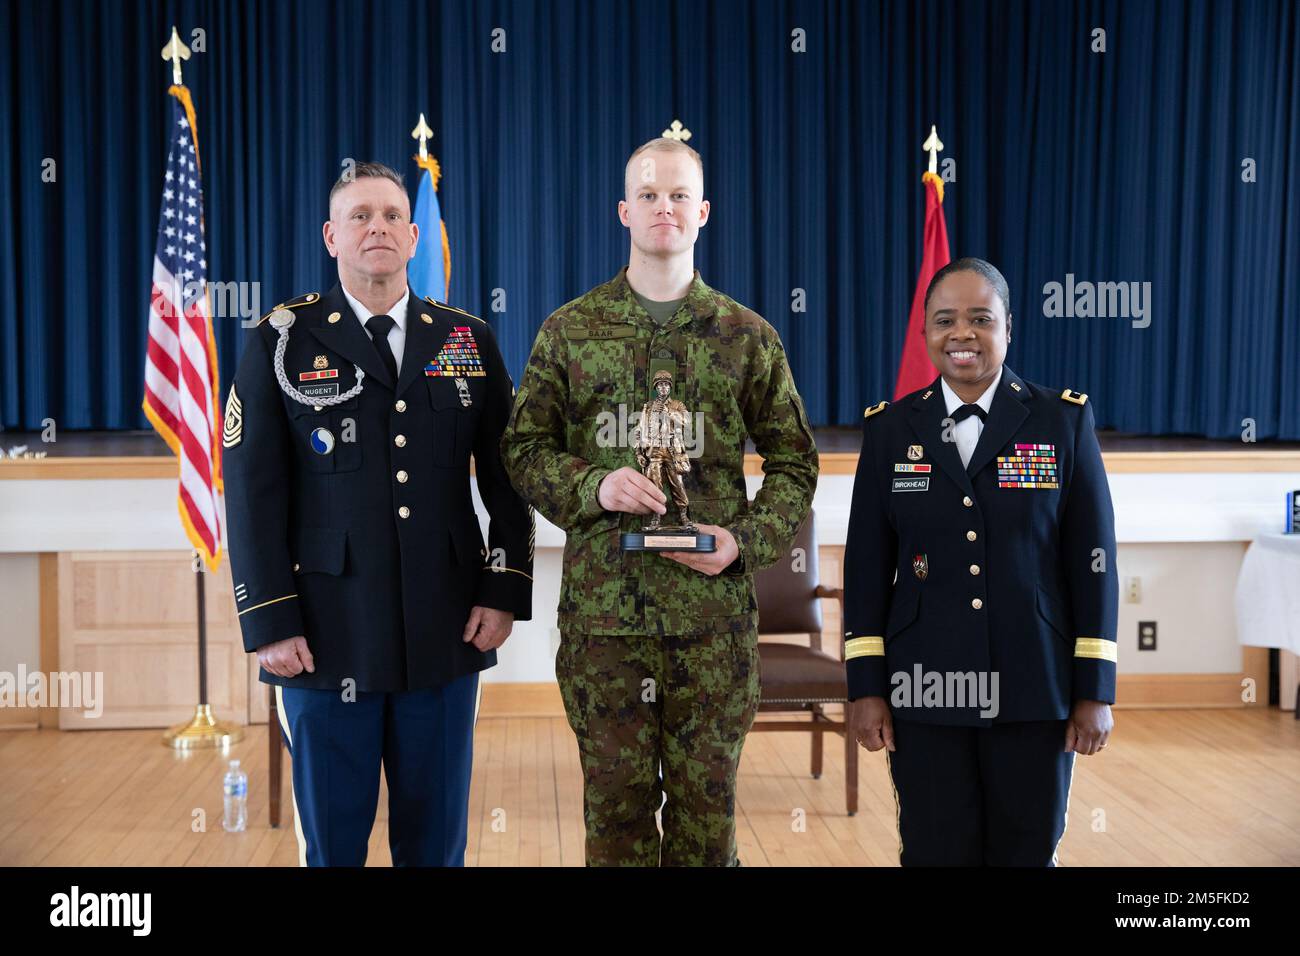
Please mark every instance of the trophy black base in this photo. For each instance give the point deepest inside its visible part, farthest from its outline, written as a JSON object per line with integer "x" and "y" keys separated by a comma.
{"x": 669, "y": 539}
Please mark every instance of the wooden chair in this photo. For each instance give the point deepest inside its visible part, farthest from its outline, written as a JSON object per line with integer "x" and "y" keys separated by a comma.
{"x": 798, "y": 679}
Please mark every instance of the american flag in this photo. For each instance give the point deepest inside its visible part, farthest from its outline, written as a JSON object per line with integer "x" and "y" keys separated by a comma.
{"x": 180, "y": 373}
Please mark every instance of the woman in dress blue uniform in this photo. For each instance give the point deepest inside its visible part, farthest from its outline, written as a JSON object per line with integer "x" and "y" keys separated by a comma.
{"x": 980, "y": 591}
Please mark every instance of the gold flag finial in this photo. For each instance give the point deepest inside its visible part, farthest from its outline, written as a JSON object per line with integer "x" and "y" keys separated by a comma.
{"x": 175, "y": 51}
{"x": 933, "y": 146}
{"x": 677, "y": 131}
{"x": 423, "y": 134}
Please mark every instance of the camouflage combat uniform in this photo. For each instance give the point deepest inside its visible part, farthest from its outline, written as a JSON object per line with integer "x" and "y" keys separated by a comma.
{"x": 658, "y": 664}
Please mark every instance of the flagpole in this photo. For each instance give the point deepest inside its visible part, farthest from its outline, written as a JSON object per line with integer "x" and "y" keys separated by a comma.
{"x": 202, "y": 731}
{"x": 915, "y": 370}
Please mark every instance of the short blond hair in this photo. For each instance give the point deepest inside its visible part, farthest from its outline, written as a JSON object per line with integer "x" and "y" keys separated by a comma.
{"x": 661, "y": 144}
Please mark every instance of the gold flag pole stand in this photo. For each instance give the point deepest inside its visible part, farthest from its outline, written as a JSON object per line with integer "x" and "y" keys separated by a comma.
{"x": 203, "y": 731}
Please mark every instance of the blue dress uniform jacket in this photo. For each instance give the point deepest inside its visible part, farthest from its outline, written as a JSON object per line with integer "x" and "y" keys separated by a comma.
{"x": 1006, "y": 566}
{"x": 353, "y": 525}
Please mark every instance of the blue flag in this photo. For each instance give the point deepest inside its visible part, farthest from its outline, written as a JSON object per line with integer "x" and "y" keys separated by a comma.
{"x": 429, "y": 272}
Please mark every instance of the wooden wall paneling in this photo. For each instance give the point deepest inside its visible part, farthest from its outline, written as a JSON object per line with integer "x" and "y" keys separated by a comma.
{"x": 130, "y": 617}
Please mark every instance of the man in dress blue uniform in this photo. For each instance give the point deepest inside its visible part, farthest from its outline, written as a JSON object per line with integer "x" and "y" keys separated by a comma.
{"x": 361, "y": 578}
{"x": 980, "y": 591}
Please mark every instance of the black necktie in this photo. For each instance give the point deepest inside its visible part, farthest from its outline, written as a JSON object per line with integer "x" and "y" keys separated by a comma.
{"x": 378, "y": 326}
{"x": 966, "y": 411}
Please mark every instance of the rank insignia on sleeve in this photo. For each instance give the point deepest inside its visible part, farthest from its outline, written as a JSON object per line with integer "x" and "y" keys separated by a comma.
{"x": 232, "y": 431}
{"x": 459, "y": 357}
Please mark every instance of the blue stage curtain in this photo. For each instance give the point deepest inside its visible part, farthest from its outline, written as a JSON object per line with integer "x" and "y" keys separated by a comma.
{"x": 1117, "y": 166}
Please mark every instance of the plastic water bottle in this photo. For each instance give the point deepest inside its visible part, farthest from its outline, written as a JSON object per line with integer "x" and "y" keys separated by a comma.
{"x": 236, "y": 799}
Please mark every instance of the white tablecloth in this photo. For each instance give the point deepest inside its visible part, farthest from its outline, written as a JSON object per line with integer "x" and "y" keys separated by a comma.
{"x": 1268, "y": 593}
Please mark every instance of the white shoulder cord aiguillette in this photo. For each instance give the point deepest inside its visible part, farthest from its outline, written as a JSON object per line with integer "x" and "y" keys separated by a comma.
{"x": 281, "y": 320}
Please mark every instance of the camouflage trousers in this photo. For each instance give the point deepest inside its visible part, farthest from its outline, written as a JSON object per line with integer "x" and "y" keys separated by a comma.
{"x": 638, "y": 704}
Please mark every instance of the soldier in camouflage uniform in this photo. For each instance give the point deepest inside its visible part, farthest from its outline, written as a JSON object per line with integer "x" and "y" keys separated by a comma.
{"x": 658, "y": 661}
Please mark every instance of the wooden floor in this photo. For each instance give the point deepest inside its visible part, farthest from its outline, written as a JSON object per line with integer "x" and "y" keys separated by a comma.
{"x": 1175, "y": 788}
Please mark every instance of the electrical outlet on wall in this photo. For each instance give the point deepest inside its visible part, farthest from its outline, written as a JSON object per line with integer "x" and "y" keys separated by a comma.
{"x": 1146, "y": 635}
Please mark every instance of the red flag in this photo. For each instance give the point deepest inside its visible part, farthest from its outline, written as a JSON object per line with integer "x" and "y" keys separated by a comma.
{"x": 914, "y": 368}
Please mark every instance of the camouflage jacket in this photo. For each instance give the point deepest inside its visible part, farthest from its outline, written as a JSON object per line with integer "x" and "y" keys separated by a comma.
{"x": 580, "y": 399}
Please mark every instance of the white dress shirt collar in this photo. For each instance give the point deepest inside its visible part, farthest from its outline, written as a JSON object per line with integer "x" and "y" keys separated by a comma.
{"x": 984, "y": 401}
{"x": 397, "y": 313}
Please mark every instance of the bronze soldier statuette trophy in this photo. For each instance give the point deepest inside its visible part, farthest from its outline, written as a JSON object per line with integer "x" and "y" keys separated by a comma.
{"x": 661, "y": 452}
